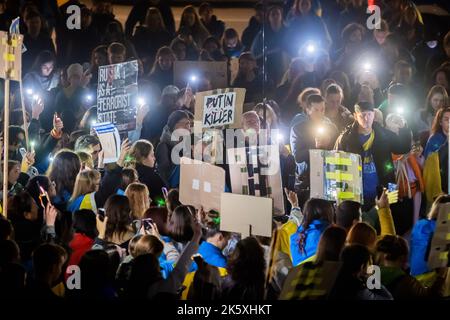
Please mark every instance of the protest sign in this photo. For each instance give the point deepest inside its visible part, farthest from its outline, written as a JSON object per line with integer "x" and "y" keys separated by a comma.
{"x": 246, "y": 215}
{"x": 110, "y": 141}
{"x": 201, "y": 184}
{"x": 256, "y": 171}
{"x": 117, "y": 95}
{"x": 336, "y": 176}
{"x": 215, "y": 71}
{"x": 440, "y": 243}
{"x": 310, "y": 281}
{"x": 11, "y": 56}
{"x": 221, "y": 107}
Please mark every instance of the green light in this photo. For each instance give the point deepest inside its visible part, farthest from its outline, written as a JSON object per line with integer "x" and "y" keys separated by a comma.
{"x": 389, "y": 167}
{"x": 160, "y": 202}
{"x": 216, "y": 220}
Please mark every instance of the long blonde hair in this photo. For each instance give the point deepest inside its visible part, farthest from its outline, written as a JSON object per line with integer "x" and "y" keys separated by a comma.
{"x": 85, "y": 183}
{"x": 139, "y": 197}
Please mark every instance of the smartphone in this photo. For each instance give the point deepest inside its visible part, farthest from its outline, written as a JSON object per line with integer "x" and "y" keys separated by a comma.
{"x": 164, "y": 192}
{"x": 23, "y": 152}
{"x": 392, "y": 187}
{"x": 43, "y": 196}
{"x": 147, "y": 223}
{"x": 101, "y": 212}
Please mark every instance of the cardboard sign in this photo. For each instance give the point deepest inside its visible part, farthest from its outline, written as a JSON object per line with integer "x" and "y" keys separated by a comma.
{"x": 215, "y": 71}
{"x": 234, "y": 68}
{"x": 256, "y": 171}
{"x": 310, "y": 281}
{"x": 11, "y": 56}
{"x": 201, "y": 184}
{"x": 220, "y": 108}
{"x": 117, "y": 95}
{"x": 246, "y": 215}
{"x": 336, "y": 176}
{"x": 440, "y": 243}
{"x": 110, "y": 140}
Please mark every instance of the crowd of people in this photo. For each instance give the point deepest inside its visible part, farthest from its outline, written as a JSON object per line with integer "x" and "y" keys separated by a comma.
{"x": 329, "y": 83}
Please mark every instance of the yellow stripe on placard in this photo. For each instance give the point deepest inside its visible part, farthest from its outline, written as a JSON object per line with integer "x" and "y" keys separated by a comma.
{"x": 9, "y": 57}
{"x": 359, "y": 168}
{"x": 339, "y": 176}
{"x": 448, "y": 236}
{"x": 14, "y": 42}
{"x": 443, "y": 255}
{"x": 345, "y": 195}
{"x": 338, "y": 161}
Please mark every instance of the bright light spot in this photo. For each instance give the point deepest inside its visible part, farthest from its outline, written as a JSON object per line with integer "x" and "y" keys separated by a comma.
{"x": 32, "y": 144}
{"x": 310, "y": 48}
{"x": 280, "y": 137}
{"x": 35, "y": 97}
{"x": 29, "y": 91}
{"x": 320, "y": 130}
{"x": 193, "y": 78}
{"x": 89, "y": 97}
{"x": 141, "y": 101}
{"x": 367, "y": 66}
{"x": 93, "y": 123}
{"x": 50, "y": 158}
{"x": 400, "y": 110}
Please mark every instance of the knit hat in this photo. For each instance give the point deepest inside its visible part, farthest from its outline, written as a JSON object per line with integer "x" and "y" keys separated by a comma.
{"x": 74, "y": 69}
{"x": 175, "y": 117}
{"x": 170, "y": 90}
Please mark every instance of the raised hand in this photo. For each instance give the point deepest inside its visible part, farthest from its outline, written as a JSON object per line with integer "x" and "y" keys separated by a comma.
{"x": 50, "y": 214}
{"x": 124, "y": 149}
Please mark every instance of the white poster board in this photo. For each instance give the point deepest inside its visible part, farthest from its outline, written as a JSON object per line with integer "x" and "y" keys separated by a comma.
{"x": 201, "y": 184}
{"x": 246, "y": 215}
{"x": 256, "y": 171}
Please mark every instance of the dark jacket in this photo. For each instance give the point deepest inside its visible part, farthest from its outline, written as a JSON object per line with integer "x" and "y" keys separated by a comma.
{"x": 147, "y": 43}
{"x": 250, "y": 33}
{"x": 302, "y": 139}
{"x": 385, "y": 143}
{"x": 139, "y": 11}
{"x": 34, "y": 47}
{"x": 152, "y": 180}
{"x": 163, "y": 155}
{"x": 215, "y": 27}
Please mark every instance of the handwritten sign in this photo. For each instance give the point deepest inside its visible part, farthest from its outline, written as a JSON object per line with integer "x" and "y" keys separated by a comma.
{"x": 117, "y": 94}
{"x": 219, "y": 108}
